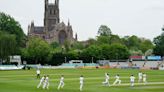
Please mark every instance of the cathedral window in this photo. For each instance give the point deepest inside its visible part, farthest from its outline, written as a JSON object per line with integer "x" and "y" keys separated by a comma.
{"x": 50, "y": 12}
{"x": 54, "y": 12}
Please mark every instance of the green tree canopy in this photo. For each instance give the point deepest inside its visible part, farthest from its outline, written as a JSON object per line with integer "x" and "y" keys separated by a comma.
{"x": 11, "y": 26}
{"x": 115, "y": 39}
{"x": 7, "y": 45}
{"x": 105, "y": 51}
{"x": 146, "y": 45}
{"x": 55, "y": 45}
{"x": 104, "y": 31}
{"x": 118, "y": 51}
{"x": 134, "y": 42}
{"x": 103, "y": 40}
{"x": 136, "y": 45}
{"x": 108, "y": 39}
{"x": 92, "y": 51}
{"x": 77, "y": 46}
{"x": 159, "y": 42}
{"x": 38, "y": 50}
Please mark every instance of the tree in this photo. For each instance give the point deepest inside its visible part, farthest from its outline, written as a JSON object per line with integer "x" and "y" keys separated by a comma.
{"x": 7, "y": 45}
{"x": 77, "y": 46}
{"x": 38, "y": 50}
{"x": 10, "y": 26}
{"x": 103, "y": 40}
{"x": 55, "y": 45}
{"x": 146, "y": 45}
{"x": 104, "y": 31}
{"x": 73, "y": 55}
{"x": 105, "y": 51}
{"x": 149, "y": 52}
{"x": 67, "y": 46}
{"x": 137, "y": 46}
{"x": 115, "y": 39}
{"x": 109, "y": 39}
{"x": 133, "y": 42}
{"x": 125, "y": 41}
{"x": 57, "y": 58}
{"x": 163, "y": 28}
{"x": 92, "y": 51}
{"x": 159, "y": 45}
{"x": 136, "y": 52}
{"x": 118, "y": 51}
{"x": 89, "y": 42}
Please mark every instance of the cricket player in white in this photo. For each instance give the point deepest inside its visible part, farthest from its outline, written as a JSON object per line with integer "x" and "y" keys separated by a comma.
{"x": 144, "y": 79}
{"x": 46, "y": 83}
{"x": 106, "y": 82}
{"x": 139, "y": 77}
{"x": 41, "y": 81}
{"x": 38, "y": 73}
{"x": 132, "y": 79}
{"x": 81, "y": 82}
{"x": 117, "y": 80}
{"x": 61, "y": 84}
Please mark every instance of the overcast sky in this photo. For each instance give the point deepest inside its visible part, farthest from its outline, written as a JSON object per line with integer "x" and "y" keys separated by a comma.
{"x": 143, "y": 18}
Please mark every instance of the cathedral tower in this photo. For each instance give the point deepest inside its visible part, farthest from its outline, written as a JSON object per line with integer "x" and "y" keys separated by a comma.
{"x": 51, "y": 15}
{"x": 53, "y": 30}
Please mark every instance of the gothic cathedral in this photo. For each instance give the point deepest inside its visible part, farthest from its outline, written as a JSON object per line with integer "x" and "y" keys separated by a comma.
{"x": 53, "y": 30}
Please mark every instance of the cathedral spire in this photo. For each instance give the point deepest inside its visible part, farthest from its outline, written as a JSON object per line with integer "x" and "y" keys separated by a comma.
{"x": 28, "y": 29}
{"x": 32, "y": 23}
{"x": 57, "y": 2}
{"x": 68, "y": 22}
{"x": 76, "y": 38}
{"x": 46, "y": 2}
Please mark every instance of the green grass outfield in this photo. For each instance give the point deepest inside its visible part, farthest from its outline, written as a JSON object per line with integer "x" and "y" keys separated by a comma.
{"x": 25, "y": 80}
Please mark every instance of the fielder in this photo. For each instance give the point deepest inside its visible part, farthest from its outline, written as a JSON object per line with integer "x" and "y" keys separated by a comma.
{"x": 46, "y": 83}
{"x": 140, "y": 77}
{"x": 81, "y": 82}
{"x": 61, "y": 84}
{"x": 106, "y": 82}
{"x": 144, "y": 78}
{"x": 117, "y": 80}
{"x": 132, "y": 79}
{"x": 38, "y": 73}
{"x": 41, "y": 81}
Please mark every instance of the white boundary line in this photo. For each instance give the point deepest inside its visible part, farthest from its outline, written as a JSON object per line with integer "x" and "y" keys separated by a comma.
{"x": 138, "y": 84}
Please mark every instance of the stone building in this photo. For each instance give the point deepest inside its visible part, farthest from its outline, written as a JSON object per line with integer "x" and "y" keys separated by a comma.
{"x": 53, "y": 30}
